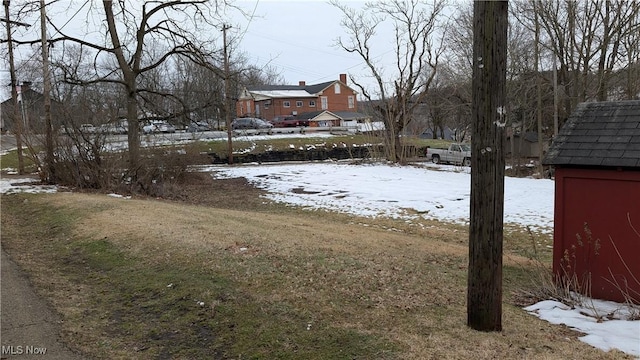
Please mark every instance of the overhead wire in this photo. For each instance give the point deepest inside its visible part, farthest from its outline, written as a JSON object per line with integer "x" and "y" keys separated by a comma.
{"x": 253, "y": 13}
{"x": 72, "y": 17}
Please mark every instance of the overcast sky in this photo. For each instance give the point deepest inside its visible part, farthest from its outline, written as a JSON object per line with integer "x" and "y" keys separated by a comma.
{"x": 297, "y": 38}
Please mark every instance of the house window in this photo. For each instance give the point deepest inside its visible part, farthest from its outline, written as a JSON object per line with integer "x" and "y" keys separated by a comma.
{"x": 336, "y": 88}
{"x": 258, "y": 110}
{"x": 248, "y": 106}
{"x": 352, "y": 102}
{"x": 312, "y": 103}
{"x": 298, "y": 103}
{"x": 286, "y": 104}
{"x": 324, "y": 103}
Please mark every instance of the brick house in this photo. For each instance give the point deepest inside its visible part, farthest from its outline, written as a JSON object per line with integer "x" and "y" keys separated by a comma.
{"x": 269, "y": 101}
{"x": 596, "y": 157}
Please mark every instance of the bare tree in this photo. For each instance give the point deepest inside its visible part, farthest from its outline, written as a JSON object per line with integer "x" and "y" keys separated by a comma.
{"x": 449, "y": 103}
{"x": 418, "y": 46}
{"x": 456, "y": 70}
{"x": 629, "y": 81}
{"x": 589, "y": 39}
{"x": 484, "y": 296}
{"x": 131, "y": 53}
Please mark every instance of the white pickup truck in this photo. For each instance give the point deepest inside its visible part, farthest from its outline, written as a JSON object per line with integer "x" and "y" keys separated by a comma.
{"x": 459, "y": 154}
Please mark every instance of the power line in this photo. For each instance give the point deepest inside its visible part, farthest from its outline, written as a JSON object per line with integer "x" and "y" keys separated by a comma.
{"x": 71, "y": 18}
{"x": 253, "y": 13}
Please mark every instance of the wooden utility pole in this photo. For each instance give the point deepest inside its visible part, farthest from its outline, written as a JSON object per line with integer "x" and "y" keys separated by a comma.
{"x": 227, "y": 98}
{"x": 488, "y": 113}
{"x": 17, "y": 115}
{"x": 49, "y": 167}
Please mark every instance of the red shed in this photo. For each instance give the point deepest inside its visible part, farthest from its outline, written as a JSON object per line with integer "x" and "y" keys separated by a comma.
{"x": 596, "y": 157}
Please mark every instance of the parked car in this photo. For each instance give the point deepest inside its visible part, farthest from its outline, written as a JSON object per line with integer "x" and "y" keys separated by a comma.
{"x": 455, "y": 154}
{"x": 288, "y": 121}
{"x": 251, "y": 123}
{"x": 158, "y": 127}
{"x": 115, "y": 129}
{"x": 198, "y": 126}
{"x": 88, "y": 129}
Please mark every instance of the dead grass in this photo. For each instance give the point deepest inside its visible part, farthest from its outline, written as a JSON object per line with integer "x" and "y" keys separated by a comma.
{"x": 274, "y": 282}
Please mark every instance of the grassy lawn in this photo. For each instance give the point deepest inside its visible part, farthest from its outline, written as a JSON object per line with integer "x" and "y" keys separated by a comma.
{"x": 228, "y": 275}
{"x": 254, "y": 144}
{"x": 10, "y": 161}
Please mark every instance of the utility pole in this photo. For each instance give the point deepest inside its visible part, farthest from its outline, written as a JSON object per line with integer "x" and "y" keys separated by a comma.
{"x": 17, "y": 118}
{"x": 489, "y": 117}
{"x": 49, "y": 166}
{"x": 227, "y": 86}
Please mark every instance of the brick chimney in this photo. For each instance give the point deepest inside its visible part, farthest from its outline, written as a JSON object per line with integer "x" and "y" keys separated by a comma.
{"x": 302, "y": 83}
{"x": 343, "y": 78}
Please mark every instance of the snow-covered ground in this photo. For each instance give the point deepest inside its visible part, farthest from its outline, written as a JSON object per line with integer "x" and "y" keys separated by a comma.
{"x": 439, "y": 192}
{"x": 433, "y": 191}
{"x": 605, "y": 323}
{"x": 24, "y": 185}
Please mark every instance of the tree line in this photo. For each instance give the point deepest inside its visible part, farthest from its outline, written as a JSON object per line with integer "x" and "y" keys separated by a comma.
{"x": 560, "y": 53}
{"x": 163, "y": 60}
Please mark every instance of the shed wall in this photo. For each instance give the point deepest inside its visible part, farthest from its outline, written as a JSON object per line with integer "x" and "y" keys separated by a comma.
{"x": 605, "y": 203}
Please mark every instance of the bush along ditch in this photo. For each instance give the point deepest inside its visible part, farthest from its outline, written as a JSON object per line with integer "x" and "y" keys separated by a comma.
{"x": 309, "y": 154}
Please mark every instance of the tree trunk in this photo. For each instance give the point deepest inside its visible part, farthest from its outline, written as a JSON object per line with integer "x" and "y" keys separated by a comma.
{"x": 484, "y": 297}
{"x": 129, "y": 78}
{"x": 538, "y": 92}
{"x": 133, "y": 132}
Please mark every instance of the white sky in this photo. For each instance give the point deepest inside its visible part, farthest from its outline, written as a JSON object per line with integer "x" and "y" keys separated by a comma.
{"x": 296, "y": 37}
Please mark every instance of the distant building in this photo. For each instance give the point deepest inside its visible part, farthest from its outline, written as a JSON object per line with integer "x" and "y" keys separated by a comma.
{"x": 269, "y": 101}
{"x": 524, "y": 145}
{"x": 31, "y": 110}
{"x": 354, "y": 120}
{"x": 445, "y": 134}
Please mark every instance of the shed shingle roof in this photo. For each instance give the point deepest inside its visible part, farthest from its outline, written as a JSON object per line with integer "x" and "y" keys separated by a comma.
{"x": 599, "y": 134}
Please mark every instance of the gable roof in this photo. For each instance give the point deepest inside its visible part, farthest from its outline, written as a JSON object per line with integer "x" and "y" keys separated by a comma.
{"x": 314, "y": 89}
{"x": 294, "y": 93}
{"x": 290, "y": 91}
{"x": 312, "y": 115}
{"x": 605, "y": 134}
{"x": 338, "y": 115}
{"x": 351, "y": 115}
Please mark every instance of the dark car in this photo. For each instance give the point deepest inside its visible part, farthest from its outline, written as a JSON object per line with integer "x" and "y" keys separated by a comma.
{"x": 198, "y": 126}
{"x": 250, "y": 123}
{"x": 288, "y": 121}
